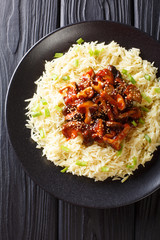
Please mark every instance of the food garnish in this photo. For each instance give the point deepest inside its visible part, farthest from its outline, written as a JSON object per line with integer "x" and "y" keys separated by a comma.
{"x": 36, "y": 114}
{"x": 65, "y": 78}
{"x": 147, "y": 77}
{"x": 134, "y": 162}
{"x": 57, "y": 55}
{"x": 47, "y": 112}
{"x": 43, "y": 101}
{"x": 144, "y": 109}
{"x": 145, "y": 97}
{"x": 105, "y": 169}
{"x": 54, "y": 77}
{"x": 64, "y": 170}
{"x": 79, "y": 41}
{"x": 141, "y": 121}
{"x": 58, "y": 108}
{"x": 157, "y": 90}
{"x": 42, "y": 133}
{"x": 147, "y": 138}
{"x": 81, "y": 163}
{"x": 64, "y": 148}
{"x": 76, "y": 63}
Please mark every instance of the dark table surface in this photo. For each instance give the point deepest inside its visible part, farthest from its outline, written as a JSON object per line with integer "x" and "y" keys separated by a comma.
{"x": 26, "y": 210}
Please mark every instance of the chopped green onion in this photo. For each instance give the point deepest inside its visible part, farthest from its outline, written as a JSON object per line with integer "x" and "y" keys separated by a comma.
{"x": 124, "y": 71}
{"x": 134, "y": 123}
{"x": 147, "y": 77}
{"x": 76, "y": 63}
{"x": 105, "y": 169}
{"x": 157, "y": 90}
{"x": 57, "y": 55}
{"x": 145, "y": 109}
{"x": 130, "y": 166}
{"x": 148, "y": 99}
{"x": 54, "y": 76}
{"x": 36, "y": 108}
{"x": 131, "y": 79}
{"x": 44, "y": 102}
{"x": 66, "y": 149}
{"x": 47, "y": 112}
{"x": 120, "y": 151}
{"x": 58, "y": 108}
{"x": 147, "y": 138}
{"x": 134, "y": 163}
{"x": 91, "y": 52}
{"x": 141, "y": 120}
{"x": 36, "y": 114}
{"x": 124, "y": 179}
{"x": 66, "y": 78}
{"x": 79, "y": 41}
{"x": 42, "y": 133}
{"x": 82, "y": 164}
{"x": 96, "y": 52}
{"x": 64, "y": 170}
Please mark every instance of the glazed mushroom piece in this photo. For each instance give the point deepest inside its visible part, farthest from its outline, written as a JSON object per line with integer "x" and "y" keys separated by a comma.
{"x": 100, "y": 107}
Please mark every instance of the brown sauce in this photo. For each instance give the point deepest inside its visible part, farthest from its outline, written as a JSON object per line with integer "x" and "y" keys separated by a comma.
{"x": 100, "y": 107}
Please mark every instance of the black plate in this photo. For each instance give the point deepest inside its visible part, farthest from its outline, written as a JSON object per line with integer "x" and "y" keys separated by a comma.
{"x": 74, "y": 189}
